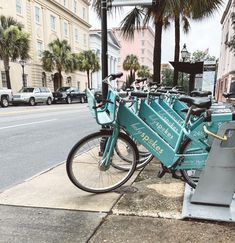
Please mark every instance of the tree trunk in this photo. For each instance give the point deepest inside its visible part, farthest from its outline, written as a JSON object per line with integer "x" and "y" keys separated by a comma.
{"x": 88, "y": 79}
{"x": 177, "y": 48}
{"x": 157, "y": 52}
{"x": 7, "y": 71}
{"x": 60, "y": 78}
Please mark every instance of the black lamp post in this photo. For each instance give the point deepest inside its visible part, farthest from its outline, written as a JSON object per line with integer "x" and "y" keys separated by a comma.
{"x": 22, "y": 63}
{"x": 184, "y": 55}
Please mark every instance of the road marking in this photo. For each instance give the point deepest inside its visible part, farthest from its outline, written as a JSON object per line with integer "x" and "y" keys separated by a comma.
{"x": 83, "y": 108}
{"x": 26, "y": 124}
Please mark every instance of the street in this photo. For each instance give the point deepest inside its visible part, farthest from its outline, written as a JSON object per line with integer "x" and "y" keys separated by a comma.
{"x": 34, "y": 139}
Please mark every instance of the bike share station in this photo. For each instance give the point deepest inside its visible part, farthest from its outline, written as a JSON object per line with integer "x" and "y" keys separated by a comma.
{"x": 214, "y": 197}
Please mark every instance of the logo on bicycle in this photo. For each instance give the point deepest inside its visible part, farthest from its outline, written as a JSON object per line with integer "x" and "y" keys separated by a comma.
{"x": 145, "y": 138}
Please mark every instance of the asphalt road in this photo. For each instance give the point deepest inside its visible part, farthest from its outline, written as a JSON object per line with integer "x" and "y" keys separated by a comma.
{"x": 33, "y": 139}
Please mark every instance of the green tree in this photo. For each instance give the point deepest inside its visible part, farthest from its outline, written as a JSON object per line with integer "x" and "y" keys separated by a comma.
{"x": 160, "y": 14}
{"x": 89, "y": 63}
{"x": 144, "y": 72}
{"x": 199, "y": 56}
{"x": 131, "y": 63}
{"x": 184, "y": 11}
{"x": 167, "y": 77}
{"x": 14, "y": 43}
{"x": 59, "y": 57}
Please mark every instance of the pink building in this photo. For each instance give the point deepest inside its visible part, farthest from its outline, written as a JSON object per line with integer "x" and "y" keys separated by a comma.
{"x": 141, "y": 46}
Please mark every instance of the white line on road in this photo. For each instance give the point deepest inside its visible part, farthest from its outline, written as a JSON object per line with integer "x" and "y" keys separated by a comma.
{"x": 26, "y": 124}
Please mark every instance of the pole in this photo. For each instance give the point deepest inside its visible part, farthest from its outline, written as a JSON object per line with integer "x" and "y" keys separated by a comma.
{"x": 182, "y": 77}
{"x": 104, "y": 47}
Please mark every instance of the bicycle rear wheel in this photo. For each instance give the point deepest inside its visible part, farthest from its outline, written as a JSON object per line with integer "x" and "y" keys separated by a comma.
{"x": 83, "y": 163}
{"x": 191, "y": 177}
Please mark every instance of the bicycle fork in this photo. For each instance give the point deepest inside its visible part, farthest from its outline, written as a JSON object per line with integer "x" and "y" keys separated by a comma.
{"x": 107, "y": 149}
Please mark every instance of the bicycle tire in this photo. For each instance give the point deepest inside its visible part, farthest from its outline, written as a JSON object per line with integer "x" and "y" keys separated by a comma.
{"x": 88, "y": 164}
{"x": 191, "y": 177}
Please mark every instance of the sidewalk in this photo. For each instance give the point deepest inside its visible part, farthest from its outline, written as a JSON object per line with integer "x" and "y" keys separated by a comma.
{"x": 48, "y": 208}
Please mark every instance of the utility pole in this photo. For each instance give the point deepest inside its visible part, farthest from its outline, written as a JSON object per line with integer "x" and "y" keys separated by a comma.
{"x": 104, "y": 47}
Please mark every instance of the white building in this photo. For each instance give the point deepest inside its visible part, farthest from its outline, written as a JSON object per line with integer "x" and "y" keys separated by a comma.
{"x": 113, "y": 54}
{"x": 47, "y": 20}
{"x": 226, "y": 68}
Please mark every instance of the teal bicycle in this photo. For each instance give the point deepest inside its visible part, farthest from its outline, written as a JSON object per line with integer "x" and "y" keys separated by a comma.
{"x": 94, "y": 165}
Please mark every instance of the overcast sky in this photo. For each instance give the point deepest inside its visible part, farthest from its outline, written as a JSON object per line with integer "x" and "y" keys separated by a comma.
{"x": 204, "y": 34}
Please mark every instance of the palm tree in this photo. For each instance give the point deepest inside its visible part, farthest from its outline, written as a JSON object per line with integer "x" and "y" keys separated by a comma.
{"x": 59, "y": 57}
{"x": 190, "y": 9}
{"x": 14, "y": 43}
{"x": 144, "y": 72}
{"x": 131, "y": 64}
{"x": 89, "y": 63}
{"x": 142, "y": 16}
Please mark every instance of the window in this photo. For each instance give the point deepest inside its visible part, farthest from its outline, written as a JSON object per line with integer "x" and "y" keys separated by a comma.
{"x": 83, "y": 13}
{"x": 65, "y": 3}
{"x": 39, "y": 48}
{"x": 142, "y": 33}
{"x": 142, "y": 42}
{"x": 4, "y": 79}
{"x": 19, "y": 7}
{"x": 142, "y": 51}
{"x": 75, "y": 6}
{"x": 37, "y": 14}
{"x": 84, "y": 39}
{"x": 52, "y": 22}
{"x": 66, "y": 32}
{"x": 76, "y": 35}
{"x": 142, "y": 59}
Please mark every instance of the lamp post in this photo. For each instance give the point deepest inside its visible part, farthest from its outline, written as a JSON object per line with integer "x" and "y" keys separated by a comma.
{"x": 22, "y": 63}
{"x": 184, "y": 55}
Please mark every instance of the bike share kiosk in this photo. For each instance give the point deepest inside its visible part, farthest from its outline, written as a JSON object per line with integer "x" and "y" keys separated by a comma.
{"x": 213, "y": 197}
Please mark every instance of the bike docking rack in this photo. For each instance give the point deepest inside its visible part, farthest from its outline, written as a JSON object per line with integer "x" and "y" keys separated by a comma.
{"x": 213, "y": 198}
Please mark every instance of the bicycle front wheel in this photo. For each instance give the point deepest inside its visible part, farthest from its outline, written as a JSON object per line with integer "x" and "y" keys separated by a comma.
{"x": 83, "y": 163}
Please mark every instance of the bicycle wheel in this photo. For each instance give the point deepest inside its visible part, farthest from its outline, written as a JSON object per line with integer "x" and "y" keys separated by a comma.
{"x": 83, "y": 163}
{"x": 144, "y": 157}
{"x": 191, "y": 177}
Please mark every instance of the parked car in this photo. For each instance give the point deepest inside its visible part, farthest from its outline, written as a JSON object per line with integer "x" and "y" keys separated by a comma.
{"x": 68, "y": 95}
{"x": 33, "y": 95}
{"x": 5, "y": 97}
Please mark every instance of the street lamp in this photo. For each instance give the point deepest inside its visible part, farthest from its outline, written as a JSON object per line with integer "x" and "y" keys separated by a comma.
{"x": 184, "y": 55}
{"x": 22, "y": 63}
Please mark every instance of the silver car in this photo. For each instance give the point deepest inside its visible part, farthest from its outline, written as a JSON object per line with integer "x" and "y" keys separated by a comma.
{"x": 33, "y": 95}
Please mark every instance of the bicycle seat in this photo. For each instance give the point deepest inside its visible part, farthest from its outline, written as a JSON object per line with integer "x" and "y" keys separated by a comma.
{"x": 198, "y": 102}
{"x": 116, "y": 75}
{"x": 227, "y": 95}
{"x": 200, "y": 93}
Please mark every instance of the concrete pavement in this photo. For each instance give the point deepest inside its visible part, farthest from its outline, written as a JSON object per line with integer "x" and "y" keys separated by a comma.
{"x": 48, "y": 208}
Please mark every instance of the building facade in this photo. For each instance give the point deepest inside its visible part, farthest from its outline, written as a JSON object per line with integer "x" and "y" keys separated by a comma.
{"x": 47, "y": 20}
{"x": 226, "y": 67}
{"x": 113, "y": 55}
{"x": 141, "y": 45}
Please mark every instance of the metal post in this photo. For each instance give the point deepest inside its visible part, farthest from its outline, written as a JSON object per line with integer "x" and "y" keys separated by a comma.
{"x": 182, "y": 77}
{"x": 104, "y": 47}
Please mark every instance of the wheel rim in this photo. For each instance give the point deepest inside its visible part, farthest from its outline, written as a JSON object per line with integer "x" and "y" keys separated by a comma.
{"x": 5, "y": 102}
{"x": 49, "y": 101}
{"x": 32, "y": 102}
{"x": 69, "y": 100}
{"x": 85, "y": 172}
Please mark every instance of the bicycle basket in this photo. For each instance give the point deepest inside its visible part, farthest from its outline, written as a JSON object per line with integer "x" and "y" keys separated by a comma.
{"x": 105, "y": 115}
